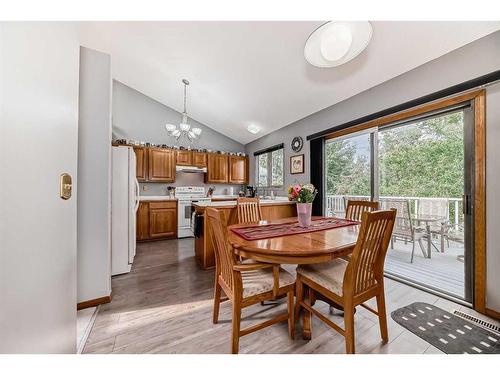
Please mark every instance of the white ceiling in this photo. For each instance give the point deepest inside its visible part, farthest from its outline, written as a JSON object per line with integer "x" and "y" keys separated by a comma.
{"x": 245, "y": 73}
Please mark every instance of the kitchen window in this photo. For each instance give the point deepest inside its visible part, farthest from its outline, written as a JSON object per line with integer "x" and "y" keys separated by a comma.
{"x": 269, "y": 167}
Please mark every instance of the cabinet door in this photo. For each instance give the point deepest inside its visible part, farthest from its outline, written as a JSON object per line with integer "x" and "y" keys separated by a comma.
{"x": 199, "y": 159}
{"x": 184, "y": 157}
{"x": 238, "y": 170}
{"x": 217, "y": 168}
{"x": 141, "y": 163}
{"x": 161, "y": 165}
{"x": 162, "y": 221}
{"x": 143, "y": 221}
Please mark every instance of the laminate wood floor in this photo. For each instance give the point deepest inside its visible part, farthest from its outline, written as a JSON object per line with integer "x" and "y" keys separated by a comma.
{"x": 164, "y": 305}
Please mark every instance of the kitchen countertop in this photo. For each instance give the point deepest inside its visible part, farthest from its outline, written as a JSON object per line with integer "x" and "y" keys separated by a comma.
{"x": 155, "y": 198}
{"x": 264, "y": 202}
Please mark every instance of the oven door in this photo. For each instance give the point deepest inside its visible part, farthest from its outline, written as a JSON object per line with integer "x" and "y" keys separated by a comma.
{"x": 184, "y": 215}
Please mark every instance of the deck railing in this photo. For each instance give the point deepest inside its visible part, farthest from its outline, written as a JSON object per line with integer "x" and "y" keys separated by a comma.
{"x": 335, "y": 206}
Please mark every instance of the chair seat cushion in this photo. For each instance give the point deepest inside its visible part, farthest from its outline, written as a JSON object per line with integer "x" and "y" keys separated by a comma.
{"x": 329, "y": 275}
{"x": 262, "y": 281}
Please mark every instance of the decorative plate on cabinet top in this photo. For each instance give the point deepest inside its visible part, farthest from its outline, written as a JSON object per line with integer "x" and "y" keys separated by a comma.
{"x": 297, "y": 144}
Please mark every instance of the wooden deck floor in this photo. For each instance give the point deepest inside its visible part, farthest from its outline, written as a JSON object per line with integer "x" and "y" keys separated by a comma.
{"x": 165, "y": 304}
{"x": 442, "y": 271}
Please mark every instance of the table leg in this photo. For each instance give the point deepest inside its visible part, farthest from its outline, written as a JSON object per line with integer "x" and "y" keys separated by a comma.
{"x": 307, "y": 316}
{"x": 429, "y": 240}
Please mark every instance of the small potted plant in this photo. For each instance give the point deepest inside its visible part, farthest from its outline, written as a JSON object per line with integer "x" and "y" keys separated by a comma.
{"x": 304, "y": 196}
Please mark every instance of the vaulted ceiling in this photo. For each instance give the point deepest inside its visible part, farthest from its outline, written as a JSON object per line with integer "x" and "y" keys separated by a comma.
{"x": 244, "y": 73}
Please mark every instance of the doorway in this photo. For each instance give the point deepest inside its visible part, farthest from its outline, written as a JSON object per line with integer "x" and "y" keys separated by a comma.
{"x": 424, "y": 167}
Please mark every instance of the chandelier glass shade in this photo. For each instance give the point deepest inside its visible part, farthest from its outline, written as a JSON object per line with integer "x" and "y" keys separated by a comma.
{"x": 184, "y": 129}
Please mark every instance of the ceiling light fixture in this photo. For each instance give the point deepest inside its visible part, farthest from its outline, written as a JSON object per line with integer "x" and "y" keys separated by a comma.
{"x": 185, "y": 129}
{"x": 254, "y": 129}
{"x": 335, "y": 43}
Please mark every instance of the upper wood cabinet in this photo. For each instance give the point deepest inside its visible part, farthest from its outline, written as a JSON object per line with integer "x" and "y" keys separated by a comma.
{"x": 217, "y": 169}
{"x": 238, "y": 170}
{"x": 141, "y": 163}
{"x": 161, "y": 163}
{"x": 184, "y": 157}
{"x": 199, "y": 159}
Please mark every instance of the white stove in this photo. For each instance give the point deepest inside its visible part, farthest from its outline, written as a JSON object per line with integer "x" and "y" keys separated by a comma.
{"x": 186, "y": 196}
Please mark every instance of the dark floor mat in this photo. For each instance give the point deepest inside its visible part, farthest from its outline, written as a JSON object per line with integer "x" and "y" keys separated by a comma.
{"x": 445, "y": 331}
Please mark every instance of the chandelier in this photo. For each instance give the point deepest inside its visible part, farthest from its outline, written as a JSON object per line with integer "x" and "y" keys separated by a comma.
{"x": 184, "y": 129}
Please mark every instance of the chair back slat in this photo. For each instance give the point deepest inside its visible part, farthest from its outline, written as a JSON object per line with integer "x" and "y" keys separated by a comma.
{"x": 224, "y": 256}
{"x": 366, "y": 267}
{"x": 355, "y": 208}
{"x": 249, "y": 210}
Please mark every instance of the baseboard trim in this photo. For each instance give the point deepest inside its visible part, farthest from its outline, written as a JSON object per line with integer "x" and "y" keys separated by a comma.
{"x": 493, "y": 314}
{"x": 93, "y": 302}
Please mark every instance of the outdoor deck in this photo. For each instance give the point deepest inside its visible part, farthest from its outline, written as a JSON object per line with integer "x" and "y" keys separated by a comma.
{"x": 442, "y": 271}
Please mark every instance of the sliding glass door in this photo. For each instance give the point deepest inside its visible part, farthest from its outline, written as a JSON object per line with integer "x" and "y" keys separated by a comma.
{"x": 421, "y": 167}
{"x": 348, "y": 174}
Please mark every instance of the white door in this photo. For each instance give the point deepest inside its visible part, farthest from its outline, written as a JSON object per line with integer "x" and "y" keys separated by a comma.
{"x": 38, "y": 142}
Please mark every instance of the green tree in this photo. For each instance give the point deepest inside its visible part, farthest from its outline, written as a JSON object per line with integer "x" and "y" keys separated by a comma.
{"x": 422, "y": 159}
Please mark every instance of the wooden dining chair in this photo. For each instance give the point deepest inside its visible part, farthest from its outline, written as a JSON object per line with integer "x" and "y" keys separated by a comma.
{"x": 353, "y": 282}
{"x": 354, "y": 209}
{"x": 246, "y": 284}
{"x": 248, "y": 210}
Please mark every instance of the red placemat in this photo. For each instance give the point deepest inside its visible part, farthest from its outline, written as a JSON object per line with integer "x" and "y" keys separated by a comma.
{"x": 252, "y": 233}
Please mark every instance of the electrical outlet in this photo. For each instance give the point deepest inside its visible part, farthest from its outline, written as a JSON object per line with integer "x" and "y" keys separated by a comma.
{"x": 144, "y": 187}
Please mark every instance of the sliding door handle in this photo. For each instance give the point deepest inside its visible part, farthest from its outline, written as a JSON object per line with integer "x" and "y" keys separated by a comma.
{"x": 466, "y": 204}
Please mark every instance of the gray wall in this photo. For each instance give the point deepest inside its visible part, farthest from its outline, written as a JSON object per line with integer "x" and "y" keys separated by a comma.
{"x": 140, "y": 118}
{"x": 94, "y": 176}
{"x": 492, "y": 196}
{"x": 473, "y": 60}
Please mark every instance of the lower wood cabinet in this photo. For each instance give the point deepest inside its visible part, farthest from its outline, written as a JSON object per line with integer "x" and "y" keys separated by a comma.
{"x": 157, "y": 220}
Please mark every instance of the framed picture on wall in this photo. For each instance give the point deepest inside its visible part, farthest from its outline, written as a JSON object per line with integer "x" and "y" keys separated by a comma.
{"x": 297, "y": 164}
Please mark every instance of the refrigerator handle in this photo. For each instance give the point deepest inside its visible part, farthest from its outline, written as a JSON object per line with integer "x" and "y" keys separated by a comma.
{"x": 137, "y": 188}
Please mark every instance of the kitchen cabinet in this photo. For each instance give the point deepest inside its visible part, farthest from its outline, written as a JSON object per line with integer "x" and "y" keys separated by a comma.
{"x": 238, "y": 169}
{"x": 184, "y": 157}
{"x": 204, "y": 249}
{"x": 161, "y": 163}
{"x": 217, "y": 169}
{"x": 162, "y": 220}
{"x": 142, "y": 221}
{"x": 157, "y": 220}
{"x": 141, "y": 163}
{"x": 199, "y": 159}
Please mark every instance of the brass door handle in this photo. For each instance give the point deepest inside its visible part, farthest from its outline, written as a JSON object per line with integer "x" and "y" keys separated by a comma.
{"x": 65, "y": 186}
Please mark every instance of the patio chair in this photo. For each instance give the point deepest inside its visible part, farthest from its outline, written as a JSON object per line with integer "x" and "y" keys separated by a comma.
{"x": 436, "y": 207}
{"x": 404, "y": 227}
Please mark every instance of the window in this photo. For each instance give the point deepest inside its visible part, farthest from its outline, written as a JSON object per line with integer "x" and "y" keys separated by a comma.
{"x": 270, "y": 167}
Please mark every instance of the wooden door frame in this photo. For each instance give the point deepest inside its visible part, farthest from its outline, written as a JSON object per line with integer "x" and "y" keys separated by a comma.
{"x": 478, "y": 99}
{"x": 479, "y": 302}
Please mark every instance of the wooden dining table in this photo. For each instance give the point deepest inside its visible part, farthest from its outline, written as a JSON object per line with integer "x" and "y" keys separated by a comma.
{"x": 302, "y": 248}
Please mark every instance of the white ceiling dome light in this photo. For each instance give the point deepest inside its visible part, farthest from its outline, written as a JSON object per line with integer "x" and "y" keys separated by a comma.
{"x": 252, "y": 128}
{"x": 335, "y": 43}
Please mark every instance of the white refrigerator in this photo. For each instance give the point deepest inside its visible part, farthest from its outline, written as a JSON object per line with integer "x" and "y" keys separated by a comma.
{"x": 124, "y": 204}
